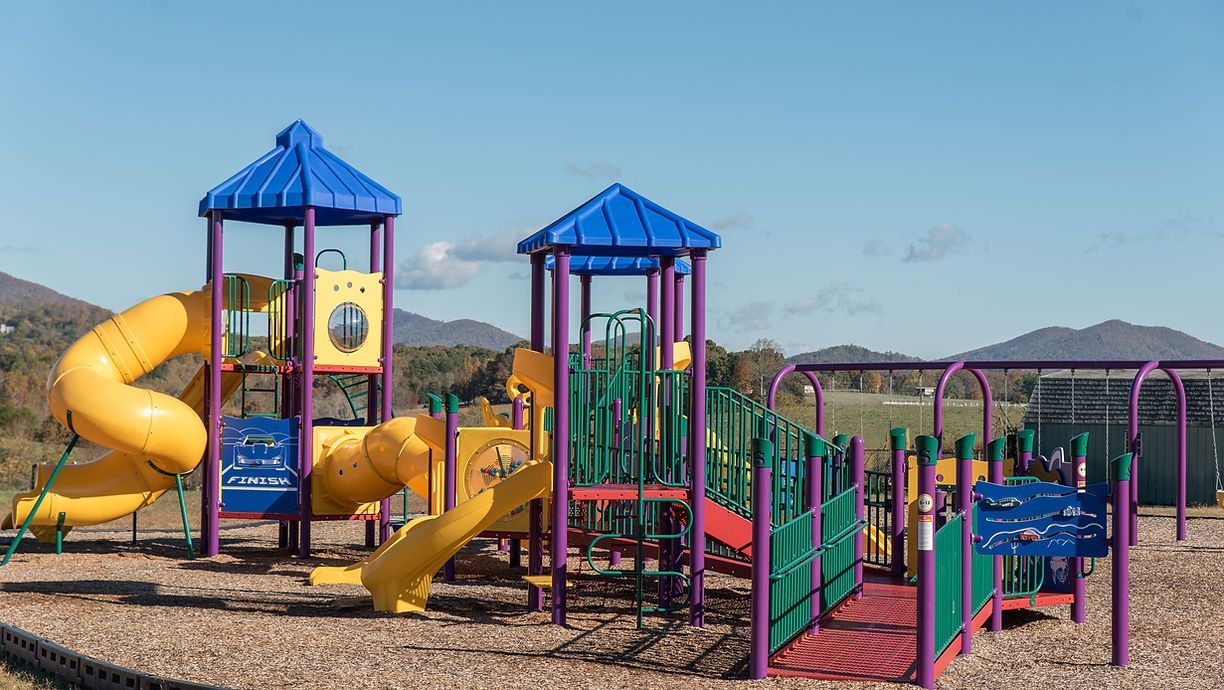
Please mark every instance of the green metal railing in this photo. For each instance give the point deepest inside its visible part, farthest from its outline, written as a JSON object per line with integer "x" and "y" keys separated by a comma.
{"x": 947, "y": 584}
{"x": 790, "y": 579}
{"x": 1022, "y": 575}
{"x": 838, "y": 525}
{"x": 237, "y": 340}
{"x": 280, "y": 345}
{"x": 877, "y": 501}
{"x": 732, "y": 420}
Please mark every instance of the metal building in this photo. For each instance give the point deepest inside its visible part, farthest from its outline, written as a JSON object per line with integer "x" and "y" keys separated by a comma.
{"x": 1067, "y": 403}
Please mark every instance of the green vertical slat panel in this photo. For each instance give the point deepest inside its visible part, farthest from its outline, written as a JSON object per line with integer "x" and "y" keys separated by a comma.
{"x": 790, "y": 586}
{"x": 837, "y": 560}
{"x": 947, "y": 584}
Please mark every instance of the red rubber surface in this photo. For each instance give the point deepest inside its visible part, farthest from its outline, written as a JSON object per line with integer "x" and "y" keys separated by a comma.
{"x": 872, "y": 639}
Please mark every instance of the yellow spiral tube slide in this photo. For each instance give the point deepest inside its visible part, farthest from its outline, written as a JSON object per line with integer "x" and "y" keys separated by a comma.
{"x": 145, "y": 429}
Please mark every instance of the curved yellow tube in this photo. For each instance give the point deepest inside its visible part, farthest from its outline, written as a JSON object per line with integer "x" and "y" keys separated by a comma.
{"x": 145, "y": 429}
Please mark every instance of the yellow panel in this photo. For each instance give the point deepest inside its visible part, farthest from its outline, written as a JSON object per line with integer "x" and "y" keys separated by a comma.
{"x": 333, "y": 288}
{"x": 485, "y": 456}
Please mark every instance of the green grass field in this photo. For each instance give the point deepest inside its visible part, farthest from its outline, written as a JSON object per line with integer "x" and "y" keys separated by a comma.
{"x": 872, "y": 415}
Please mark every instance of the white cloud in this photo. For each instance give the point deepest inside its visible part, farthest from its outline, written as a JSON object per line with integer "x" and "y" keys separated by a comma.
{"x": 741, "y": 220}
{"x": 875, "y": 248}
{"x": 753, "y": 316}
{"x": 502, "y": 246}
{"x": 836, "y": 298}
{"x": 936, "y": 243}
{"x": 595, "y": 171}
{"x": 435, "y": 267}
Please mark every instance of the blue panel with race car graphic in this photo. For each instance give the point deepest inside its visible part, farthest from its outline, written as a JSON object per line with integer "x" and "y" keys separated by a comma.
{"x": 259, "y": 466}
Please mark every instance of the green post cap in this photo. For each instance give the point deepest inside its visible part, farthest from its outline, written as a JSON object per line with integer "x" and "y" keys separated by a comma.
{"x": 817, "y": 447}
{"x": 995, "y": 449}
{"x": 1079, "y": 445}
{"x": 1120, "y": 467}
{"x": 762, "y": 452}
{"x": 840, "y": 442}
{"x": 928, "y": 449}
{"x": 435, "y": 403}
{"x": 452, "y": 402}
{"x": 964, "y": 446}
{"x": 897, "y": 438}
{"x": 1024, "y": 440}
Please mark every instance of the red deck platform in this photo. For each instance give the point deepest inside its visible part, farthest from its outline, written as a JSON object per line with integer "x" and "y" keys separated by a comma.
{"x": 875, "y": 638}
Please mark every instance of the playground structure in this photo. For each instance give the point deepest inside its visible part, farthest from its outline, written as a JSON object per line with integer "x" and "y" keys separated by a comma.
{"x": 618, "y": 448}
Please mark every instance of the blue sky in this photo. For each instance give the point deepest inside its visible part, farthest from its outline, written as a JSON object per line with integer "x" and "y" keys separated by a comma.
{"x": 925, "y": 179}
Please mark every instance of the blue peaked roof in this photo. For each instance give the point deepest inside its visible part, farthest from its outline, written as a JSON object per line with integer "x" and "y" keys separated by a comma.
{"x": 621, "y": 222}
{"x": 298, "y": 173}
{"x": 616, "y": 265}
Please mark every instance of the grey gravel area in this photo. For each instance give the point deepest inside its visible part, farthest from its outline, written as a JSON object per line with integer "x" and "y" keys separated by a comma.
{"x": 246, "y": 619}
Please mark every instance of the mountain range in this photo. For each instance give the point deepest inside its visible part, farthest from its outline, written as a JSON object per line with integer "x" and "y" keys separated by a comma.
{"x": 1114, "y": 339}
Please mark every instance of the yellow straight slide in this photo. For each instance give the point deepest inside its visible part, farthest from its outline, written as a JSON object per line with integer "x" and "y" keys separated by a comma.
{"x": 400, "y": 573}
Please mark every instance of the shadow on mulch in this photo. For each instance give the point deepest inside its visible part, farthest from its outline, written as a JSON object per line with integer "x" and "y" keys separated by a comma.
{"x": 654, "y": 647}
{"x": 1021, "y": 617}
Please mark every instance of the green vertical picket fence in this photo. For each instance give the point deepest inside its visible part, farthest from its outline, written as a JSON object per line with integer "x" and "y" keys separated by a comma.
{"x": 947, "y": 584}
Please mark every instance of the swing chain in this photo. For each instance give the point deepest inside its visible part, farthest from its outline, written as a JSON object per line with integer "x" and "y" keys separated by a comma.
{"x": 1215, "y": 453}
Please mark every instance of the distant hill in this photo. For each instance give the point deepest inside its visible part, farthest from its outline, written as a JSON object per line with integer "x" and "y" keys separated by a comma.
{"x": 16, "y": 292}
{"x": 414, "y": 329}
{"x": 1109, "y": 340}
{"x": 848, "y": 353}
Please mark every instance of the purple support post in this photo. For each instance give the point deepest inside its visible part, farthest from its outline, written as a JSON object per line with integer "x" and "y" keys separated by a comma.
{"x": 210, "y": 500}
{"x": 758, "y": 660}
{"x": 928, "y": 455}
{"x": 388, "y": 347}
{"x": 1079, "y": 475}
{"x": 448, "y": 470}
{"x": 535, "y": 510}
{"x": 897, "y": 520}
{"x": 516, "y": 422}
{"x": 560, "y": 433}
{"x": 669, "y": 549}
{"x": 652, "y": 297}
{"x": 858, "y": 468}
{"x": 964, "y": 506}
{"x": 816, "y": 451}
{"x": 678, "y": 301}
{"x": 306, "y": 427}
{"x": 383, "y": 528}
{"x": 584, "y": 299}
{"x": 1120, "y": 472}
{"x": 697, "y": 441}
{"x": 288, "y": 406}
{"x": 994, "y": 473}
{"x": 1133, "y": 446}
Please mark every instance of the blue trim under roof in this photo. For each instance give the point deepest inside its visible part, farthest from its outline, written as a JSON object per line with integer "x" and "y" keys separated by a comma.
{"x": 621, "y": 222}
{"x": 615, "y": 265}
{"x": 298, "y": 173}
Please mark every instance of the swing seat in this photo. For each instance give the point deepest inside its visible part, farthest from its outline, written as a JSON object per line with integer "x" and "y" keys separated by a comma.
{"x": 1220, "y": 498}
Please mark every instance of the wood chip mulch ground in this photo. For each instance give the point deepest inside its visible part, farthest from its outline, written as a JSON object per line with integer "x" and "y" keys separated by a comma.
{"x": 246, "y": 619}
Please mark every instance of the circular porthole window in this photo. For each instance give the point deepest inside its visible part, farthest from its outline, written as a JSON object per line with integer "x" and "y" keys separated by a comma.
{"x": 348, "y": 327}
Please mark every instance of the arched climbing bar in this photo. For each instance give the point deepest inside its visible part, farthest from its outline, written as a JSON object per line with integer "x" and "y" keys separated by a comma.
{"x": 772, "y": 398}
